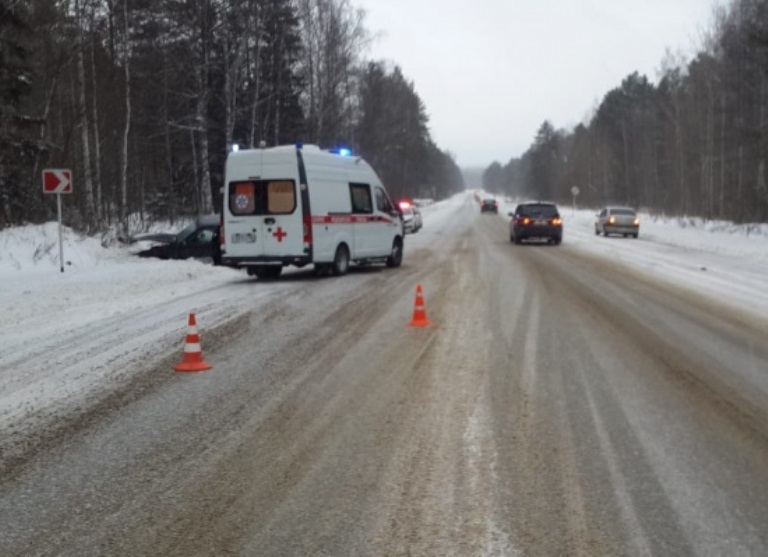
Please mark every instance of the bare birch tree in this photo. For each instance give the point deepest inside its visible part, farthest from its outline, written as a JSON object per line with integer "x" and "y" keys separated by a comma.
{"x": 83, "y": 118}
{"x": 127, "y": 116}
{"x": 204, "y": 14}
{"x": 95, "y": 121}
{"x": 334, "y": 38}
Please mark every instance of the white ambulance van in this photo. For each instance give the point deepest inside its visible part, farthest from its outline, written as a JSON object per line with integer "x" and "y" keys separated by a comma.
{"x": 300, "y": 205}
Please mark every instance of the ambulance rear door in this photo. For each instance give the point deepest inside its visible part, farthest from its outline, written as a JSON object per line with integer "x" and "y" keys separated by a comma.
{"x": 283, "y": 226}
{"x": 266, "y": 219}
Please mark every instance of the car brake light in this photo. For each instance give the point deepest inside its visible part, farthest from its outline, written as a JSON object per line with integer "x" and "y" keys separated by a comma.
{"x": 557, "y": 221}
{"x": 526, "y": 221}
{"x": 307, "y": 230}
{"x": 612, "y": 220}
{"x": 636, "y": 222}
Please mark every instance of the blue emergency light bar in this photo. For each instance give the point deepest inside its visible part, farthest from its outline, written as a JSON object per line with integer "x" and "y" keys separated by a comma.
{"x": 341, "y": 151}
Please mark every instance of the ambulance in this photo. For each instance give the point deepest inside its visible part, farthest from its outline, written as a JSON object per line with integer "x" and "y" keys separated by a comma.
{"x": 300, "y": 205}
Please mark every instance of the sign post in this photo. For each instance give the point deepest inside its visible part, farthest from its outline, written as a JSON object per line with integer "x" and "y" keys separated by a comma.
{"x": 575, "y": 191}
{"x": 58, "y": 181}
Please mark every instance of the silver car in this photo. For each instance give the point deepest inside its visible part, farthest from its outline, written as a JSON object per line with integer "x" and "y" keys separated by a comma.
{"x": 617, "y": 220}
{"x": 412, "y": 220}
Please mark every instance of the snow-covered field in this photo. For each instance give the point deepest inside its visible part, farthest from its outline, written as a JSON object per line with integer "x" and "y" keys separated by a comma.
{"x": 65, "y": 337}
{"x": 722, "y": 260}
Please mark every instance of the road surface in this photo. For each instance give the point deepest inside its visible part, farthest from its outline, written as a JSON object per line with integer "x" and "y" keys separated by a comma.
{"x": 560, "y": 404}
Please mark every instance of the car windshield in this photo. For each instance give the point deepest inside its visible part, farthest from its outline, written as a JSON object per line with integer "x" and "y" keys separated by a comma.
{"x": 186, "y": 232}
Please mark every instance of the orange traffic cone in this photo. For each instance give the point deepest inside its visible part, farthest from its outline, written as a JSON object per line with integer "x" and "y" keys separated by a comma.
{"x": 419, "y": 313}
{"x": 193, "y": 353}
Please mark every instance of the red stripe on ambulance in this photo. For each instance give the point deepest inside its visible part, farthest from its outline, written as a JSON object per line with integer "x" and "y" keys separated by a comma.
{"x": 348, "y": 219}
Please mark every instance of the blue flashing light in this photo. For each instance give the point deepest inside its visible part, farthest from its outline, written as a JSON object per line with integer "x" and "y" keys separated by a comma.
{"x": 341, "y": 151}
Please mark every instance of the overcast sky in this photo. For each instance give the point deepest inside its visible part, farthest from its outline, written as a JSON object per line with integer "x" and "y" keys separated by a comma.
{"x": 491, "y": 71}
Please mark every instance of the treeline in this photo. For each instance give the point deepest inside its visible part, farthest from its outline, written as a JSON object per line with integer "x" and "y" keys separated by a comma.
{"x": 143, "y": 98}
{"x": 695, "y": 144}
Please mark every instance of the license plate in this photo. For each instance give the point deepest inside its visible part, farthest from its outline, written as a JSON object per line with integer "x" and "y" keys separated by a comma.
{"x": 540, "y": 222}
{"x": 247, "y": 238}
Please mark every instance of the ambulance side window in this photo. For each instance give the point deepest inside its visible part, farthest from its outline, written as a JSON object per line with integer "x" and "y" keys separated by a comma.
{"x": 361, "y": 198}
{"x": 383, "y": 203}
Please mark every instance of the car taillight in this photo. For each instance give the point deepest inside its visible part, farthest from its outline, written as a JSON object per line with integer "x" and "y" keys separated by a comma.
{"x": 557, "y": 221}
{"x": 307, "y": 221}
{"x": 526, "y": 221}
{"x": 636, "y": 222}
{"x": 612, "y": 220}
{"x": 221, "y": 235}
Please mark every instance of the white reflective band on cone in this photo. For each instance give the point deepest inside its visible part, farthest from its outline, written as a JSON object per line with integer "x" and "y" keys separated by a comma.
{"x": 194, "y": 348}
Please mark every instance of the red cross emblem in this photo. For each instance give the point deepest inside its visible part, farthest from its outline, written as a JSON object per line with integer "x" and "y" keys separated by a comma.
{"x": 280, "y": 234}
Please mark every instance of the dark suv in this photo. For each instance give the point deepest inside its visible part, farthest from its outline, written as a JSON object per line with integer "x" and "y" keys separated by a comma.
{"x": 489, "y": 205}
{"x": 536, "y": 220}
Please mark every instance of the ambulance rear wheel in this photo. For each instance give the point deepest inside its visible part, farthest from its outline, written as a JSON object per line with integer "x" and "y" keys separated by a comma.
{"x": 341, "y": 260}
{"x": 265, "y": 272}
{"x": 272, "y": 271}
{"x": 396, "y": 257}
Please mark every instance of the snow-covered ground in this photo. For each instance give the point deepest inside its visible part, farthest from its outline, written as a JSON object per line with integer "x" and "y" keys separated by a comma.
{"x": 722, "y": 260}
{"x": 65, "y": 337}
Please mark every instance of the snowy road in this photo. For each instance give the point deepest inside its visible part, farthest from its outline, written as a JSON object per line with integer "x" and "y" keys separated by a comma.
{"x": 562, "y": 403}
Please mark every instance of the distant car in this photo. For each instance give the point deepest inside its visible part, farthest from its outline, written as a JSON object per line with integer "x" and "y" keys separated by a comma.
{"x": 199, "y": 240}
{"x": 536, "y": 220}
{"x": 418, "y": 221}
{"x": 617, "y": 220}
{"x": 489, "y": 206}
{"x": 412, "y": 220}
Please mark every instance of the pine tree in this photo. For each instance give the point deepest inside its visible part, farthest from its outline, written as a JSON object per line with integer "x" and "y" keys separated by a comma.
{"x": 17, "y": 145}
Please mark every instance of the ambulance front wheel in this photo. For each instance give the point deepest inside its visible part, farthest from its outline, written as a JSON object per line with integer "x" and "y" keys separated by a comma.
{"x": 396, "y": 257}
{"x": 341, "y": 260}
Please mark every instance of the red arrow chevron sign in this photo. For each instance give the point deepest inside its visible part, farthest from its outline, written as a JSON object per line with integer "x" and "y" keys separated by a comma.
{"x": 57, "y": 180}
